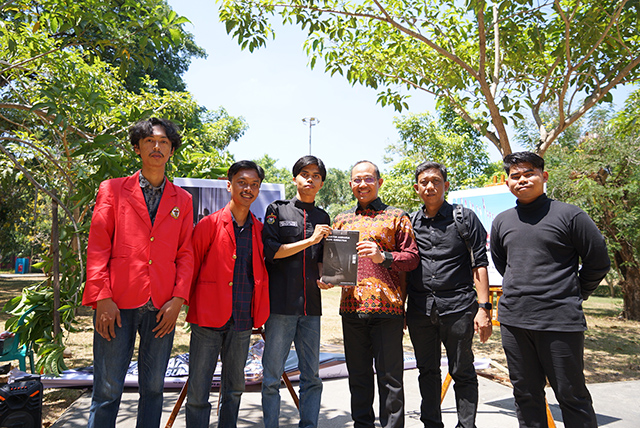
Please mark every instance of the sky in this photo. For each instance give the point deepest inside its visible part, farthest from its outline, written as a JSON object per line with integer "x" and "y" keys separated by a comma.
{"x": 273, "y": 89}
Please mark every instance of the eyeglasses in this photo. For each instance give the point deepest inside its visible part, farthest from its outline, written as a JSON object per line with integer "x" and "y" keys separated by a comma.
{"x": 367, "y": 180}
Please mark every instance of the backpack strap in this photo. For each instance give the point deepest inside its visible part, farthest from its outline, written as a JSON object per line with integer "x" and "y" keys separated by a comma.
{"x": 463, "y": 230}
{"x": 461, "y": 227}
{"x": 413, "y": 216}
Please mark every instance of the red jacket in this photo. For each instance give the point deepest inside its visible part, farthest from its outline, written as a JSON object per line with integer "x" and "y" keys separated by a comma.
{"x": 214, "y": 245}
{"x": 128, "y": 259}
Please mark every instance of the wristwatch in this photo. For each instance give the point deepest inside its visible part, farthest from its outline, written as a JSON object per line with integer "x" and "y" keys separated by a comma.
{"x": 486, "y": 305}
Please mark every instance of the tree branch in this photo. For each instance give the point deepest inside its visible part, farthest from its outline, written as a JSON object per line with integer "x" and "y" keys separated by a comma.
{"x": 44, "y": 153}
{"x": 52, "y": 196}
{"x": 458, "y": 108}
{"x": 389, "y": 20}
{"x": 589, "y": 102}
{"x": 545, "y": 84}
{"x": 44, "y": 115}
{"x": 485, "y": 89}
{"x": 604, "y": 34}
{"x": 28, "y": 60}
{"x": 496, "y": 52}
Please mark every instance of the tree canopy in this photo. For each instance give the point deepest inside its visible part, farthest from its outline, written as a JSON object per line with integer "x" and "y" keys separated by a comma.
{"x": 499, "y": 59}
{"x": 600, "y": 172}
{"x": 446, "y": 139}
{"x": 65, "y": 109}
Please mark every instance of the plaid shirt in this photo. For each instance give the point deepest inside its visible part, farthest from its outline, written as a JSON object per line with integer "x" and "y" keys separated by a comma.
{"x": 242, "y": 293}
{"x": 152, "y": 195}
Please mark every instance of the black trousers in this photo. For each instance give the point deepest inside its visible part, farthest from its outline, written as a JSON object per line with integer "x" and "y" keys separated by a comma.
{"x": 534, "y": 356}
{"x": 455, "y": 331}
{"x": 379, "y": 340}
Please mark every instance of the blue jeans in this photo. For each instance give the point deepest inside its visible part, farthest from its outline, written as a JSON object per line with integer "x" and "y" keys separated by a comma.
{"x": 280, "y": 332}
{"x": 110, "y": 363}
{"x": 206, "y": 344}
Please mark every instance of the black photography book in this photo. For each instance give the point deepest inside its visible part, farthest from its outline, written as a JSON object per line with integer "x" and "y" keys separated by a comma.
{"x": 340, "y": 258}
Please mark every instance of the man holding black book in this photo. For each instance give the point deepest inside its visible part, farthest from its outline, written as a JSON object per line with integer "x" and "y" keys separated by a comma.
{"x": 292, "y": 236}
{"x": 373, "y": 310}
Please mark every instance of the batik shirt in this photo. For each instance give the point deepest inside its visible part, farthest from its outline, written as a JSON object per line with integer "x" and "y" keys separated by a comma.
{"x": 379, "y": 292}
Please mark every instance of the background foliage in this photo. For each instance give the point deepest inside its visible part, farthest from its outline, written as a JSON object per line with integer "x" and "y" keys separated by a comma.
{"x": 73, "y": 77}
{"x": 600, "y": 172}
{"x": 491, "y": 62}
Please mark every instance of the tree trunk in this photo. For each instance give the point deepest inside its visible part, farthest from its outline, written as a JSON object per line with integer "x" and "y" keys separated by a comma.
{"x": 612, "y": 291}
{"x": 628, "y": 267}
{"x": 55, "y": 250}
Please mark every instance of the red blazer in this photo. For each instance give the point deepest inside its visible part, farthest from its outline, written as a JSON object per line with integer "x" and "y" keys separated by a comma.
{"x": 128, "y": 259}
{"x": 214, "y": 246}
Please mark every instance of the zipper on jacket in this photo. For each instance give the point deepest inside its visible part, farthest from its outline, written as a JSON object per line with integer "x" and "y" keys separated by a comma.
{"x": 304, "y": 260}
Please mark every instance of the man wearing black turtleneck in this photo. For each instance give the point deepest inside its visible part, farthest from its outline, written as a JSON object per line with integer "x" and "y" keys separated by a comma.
{"x": 538, "y": 247}
{"x": 292, "y": 236}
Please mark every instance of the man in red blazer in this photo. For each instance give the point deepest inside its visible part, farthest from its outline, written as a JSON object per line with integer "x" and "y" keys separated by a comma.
{"x": 139, "y": 269}
{"x": 230, "y": 296}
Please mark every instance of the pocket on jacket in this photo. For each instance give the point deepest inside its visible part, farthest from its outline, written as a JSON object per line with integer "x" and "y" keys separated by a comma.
{"x": 289, "y": 230}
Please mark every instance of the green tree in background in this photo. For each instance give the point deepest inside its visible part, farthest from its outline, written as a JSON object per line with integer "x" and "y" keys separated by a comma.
{"x": 336, "y": 195}
{"x": 23, "y": 229}
{"x": 600, "y": 172}
{"x": 490, "y": 62}
{"x": 65, "y": 109}
{"x": 448, "y": 140}
{"x": 274, "y": 174}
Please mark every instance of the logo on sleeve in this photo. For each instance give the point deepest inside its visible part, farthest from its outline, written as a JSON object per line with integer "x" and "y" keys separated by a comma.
{"x": 271, "y": 218}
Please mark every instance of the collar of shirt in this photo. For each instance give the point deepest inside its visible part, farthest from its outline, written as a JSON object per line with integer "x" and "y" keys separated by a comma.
{"x": 375, "y": 205}
{"x": 307, "y": 206}
{"x": 532, "y": 206}
{"x": 247, "y": 223}
{"x": 446, "y": 209}
{"x": 144, "y": 184}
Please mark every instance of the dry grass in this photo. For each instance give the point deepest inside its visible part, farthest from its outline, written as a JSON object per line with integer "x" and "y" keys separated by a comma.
{"x": 612, "y": 344}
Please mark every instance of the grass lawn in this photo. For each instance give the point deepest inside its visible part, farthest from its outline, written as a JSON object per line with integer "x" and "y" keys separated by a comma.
{"x": 612, "y": 344}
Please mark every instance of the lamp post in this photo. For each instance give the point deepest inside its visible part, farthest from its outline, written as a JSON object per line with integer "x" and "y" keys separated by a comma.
{"x": 311, "y": 121}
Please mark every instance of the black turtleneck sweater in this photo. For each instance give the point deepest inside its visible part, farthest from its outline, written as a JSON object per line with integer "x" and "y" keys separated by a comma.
{"x": 292, "y": 280}
{"x": 537, "y": 248}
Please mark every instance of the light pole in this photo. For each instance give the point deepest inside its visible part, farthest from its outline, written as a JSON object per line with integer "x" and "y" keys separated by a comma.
{"x": 311, "y": 121}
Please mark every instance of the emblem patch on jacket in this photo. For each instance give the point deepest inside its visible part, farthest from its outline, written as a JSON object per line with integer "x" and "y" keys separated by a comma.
{"x": 271, "y": 218}
{"x": 175, "y": 212}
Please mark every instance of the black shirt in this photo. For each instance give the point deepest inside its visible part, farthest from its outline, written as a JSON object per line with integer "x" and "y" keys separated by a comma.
{"x": 537, "y": 248}
{"x": 444, "y": 277}
{"x": 292, "y": 280}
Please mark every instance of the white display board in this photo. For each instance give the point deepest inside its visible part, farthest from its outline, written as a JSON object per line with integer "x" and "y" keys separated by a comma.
{"x": 211, "y": 195}
{"x": 487, "y": 203}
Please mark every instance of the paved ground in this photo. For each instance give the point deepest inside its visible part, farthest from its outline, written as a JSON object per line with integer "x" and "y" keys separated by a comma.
{"x": 616, "y": 405}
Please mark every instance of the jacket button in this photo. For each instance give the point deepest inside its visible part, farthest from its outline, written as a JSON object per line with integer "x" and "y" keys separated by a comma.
{"x": 150, "y": 261}
{"x": 230, "y": 283}
{"x": 152, "y": 239}
{"x": 234, "y": 257}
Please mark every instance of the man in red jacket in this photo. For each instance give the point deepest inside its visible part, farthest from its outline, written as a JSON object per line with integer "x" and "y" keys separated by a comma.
{"x": 230, "y": 296}
{"x": 139, "y": 268}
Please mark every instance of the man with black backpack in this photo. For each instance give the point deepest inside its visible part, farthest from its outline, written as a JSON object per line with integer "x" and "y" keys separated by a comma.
{"x": 442, "y": 306}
